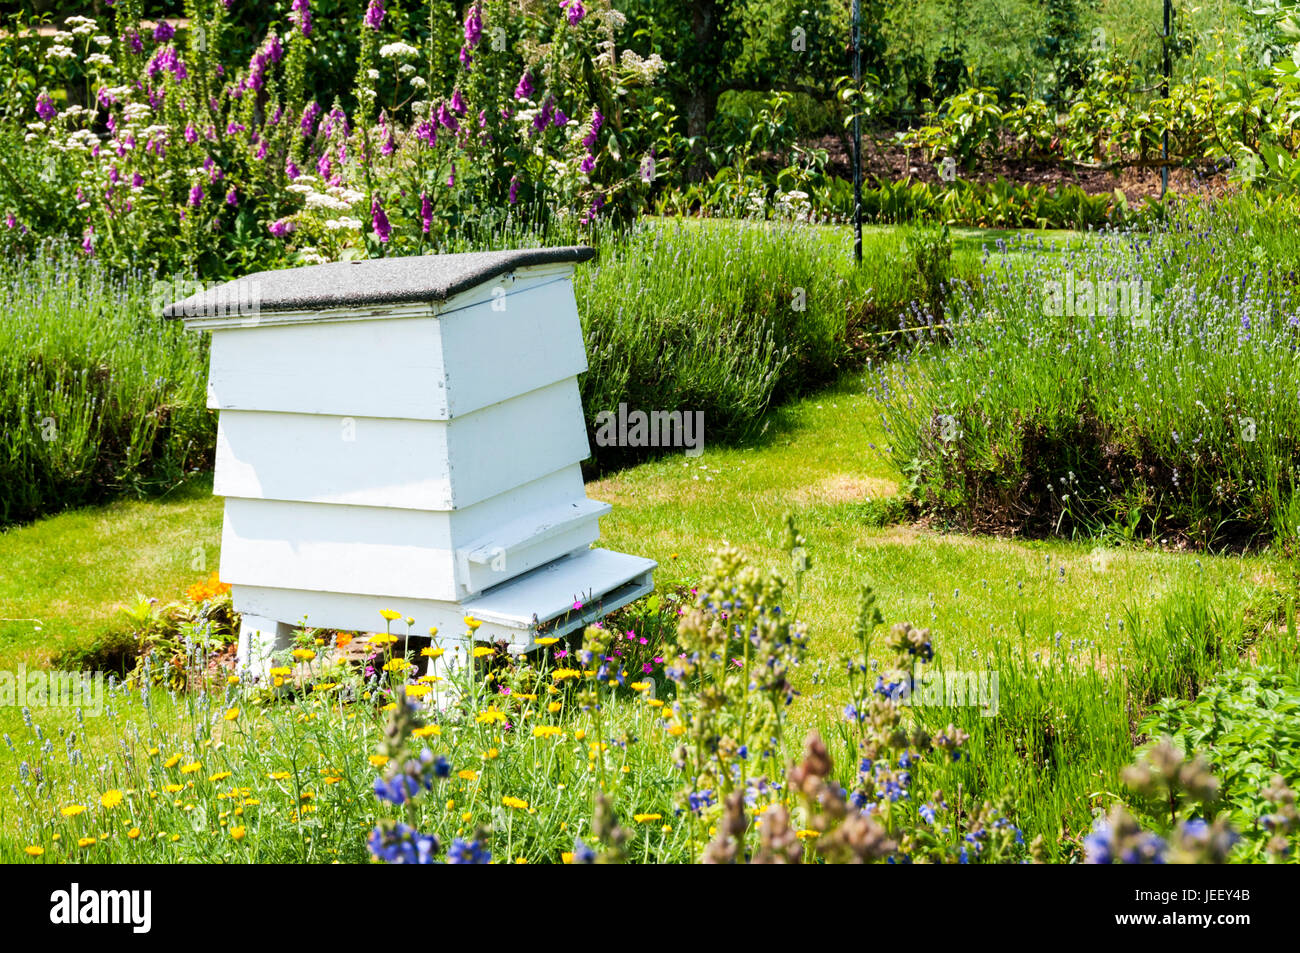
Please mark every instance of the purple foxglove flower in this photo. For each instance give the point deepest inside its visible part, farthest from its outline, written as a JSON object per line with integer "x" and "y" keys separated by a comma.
{"x": 514, "y": 190}
{"x": 574, "y": 10}
{"x": 543, "y": 117}
{"x": 465, "y": 58}
{"x": 45, "y": 108}
{"x": 451, "y": 179}
{"x": 588, "y": 163}
{"x": 291, "y": 170}
{"x": 10, "y": 220}
{"x": 426, "y": 212}
{"x": 447, "y": 119}
{"x": 278, "y": 228}
{"x": 524, "y": 89}
{"x": 88, "y": 241}
{"x": 374, "y": 14}
{"x": 323, "y": 166}
{"x": 473, "y": 26}
{"x": 137, "y": 181}
{"x": 232, "y": 198}
{"x": 163, "y": 32}
{"x": 458, "y": 102}
{"x": 560, "y": 119}
{"x": 261, "y": 151}
{"x": 427, "y": 132}
{"x": 302, "y": 16}
{"x": 196, "y": 194}
{"x": 383, "y": 231}
{"x": 590, "y": 139}
{"x": 191, "y": 134}
{"x": 309, "y": 116}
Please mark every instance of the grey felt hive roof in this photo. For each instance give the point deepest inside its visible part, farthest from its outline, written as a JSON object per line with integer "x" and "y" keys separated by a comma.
{"x": 347, "y": 284}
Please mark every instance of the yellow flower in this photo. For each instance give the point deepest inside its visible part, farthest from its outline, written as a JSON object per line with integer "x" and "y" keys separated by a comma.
{"x": 491, "y": 754}
{"x": 638, "y": 686}
{"x": 546, "y": 731}
{"x": 111, "y": 799}
{"x": 676, "y": 730}
{"x": 342, "y": 641}
{"x": 72, "y": 810}
{"x": 153, "y": 752}
{"x": 807, "y": 835}
{"x": 34, "y": 851}
{"x": 472, "y": 622}
{"x": 191, "y": 768}
{"x": 560, "y": 674}
{"x": 279, "y": 775}
{"x": 549, "y": 640}
{"x": 133, "y": 833}
{"x": 433, "y": 653}
{"x": 397, "y": 665}
{"x": 647, "y": 818}
{"x": 466, "y": 817}
{"x": 389, "y": 615}
{"x": 280, "y": 671}
{"x": 491, "y": 715}
{"x": 427, "y": 731}
{"x": 417, "y": 691}
{"x": 378, "y": 760}
{"x": 219, "y": 776}
{"x": 567, "y": 857}
{"x": 483, "y": 651}
{"x": 85, "y": 841}
{"x": 324, "y": 686}
{"x": 232, "y": 679}
{"x": 553, "y": 707}
{"x": 383, "y": 638}
{"x": 173, "y": 788}
{"x": 580, "y": 734}
{"x": 517, "y": 803}
{"x": 467, "y": 775}
{"x": 172, "y": 761}
{"x": 433, "y": 630}
{"x": 231, "y": 714}
{"x": 305, "y": 655}
{"x": 237, "y": 832}
{"x": 655, "y": 702}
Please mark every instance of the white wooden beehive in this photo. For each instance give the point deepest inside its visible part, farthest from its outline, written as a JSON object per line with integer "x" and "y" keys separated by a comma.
{"x": 407, "y": 434}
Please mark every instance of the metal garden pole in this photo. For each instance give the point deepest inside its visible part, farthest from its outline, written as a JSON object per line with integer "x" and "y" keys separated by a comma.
{"x": 857, "y": 135}
{"x": 1164, "y": 138}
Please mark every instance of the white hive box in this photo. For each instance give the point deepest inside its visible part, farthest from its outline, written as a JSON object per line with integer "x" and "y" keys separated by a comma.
{"x": 407, "y": 434}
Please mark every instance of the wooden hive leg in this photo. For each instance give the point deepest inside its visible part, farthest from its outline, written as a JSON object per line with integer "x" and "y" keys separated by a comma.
{"x": 259, "y": 640}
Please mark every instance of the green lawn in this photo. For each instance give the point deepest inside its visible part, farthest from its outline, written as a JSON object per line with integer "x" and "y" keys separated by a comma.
{"x": 73, "y": 570}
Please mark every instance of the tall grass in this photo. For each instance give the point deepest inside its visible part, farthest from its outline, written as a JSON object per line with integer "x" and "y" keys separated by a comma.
{"x": 97, "y": 396}
{"x": 1181, "y": 423}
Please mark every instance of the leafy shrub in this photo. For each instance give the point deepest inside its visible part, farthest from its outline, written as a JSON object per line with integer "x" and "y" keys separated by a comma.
{"x": 1246, "y": 723}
